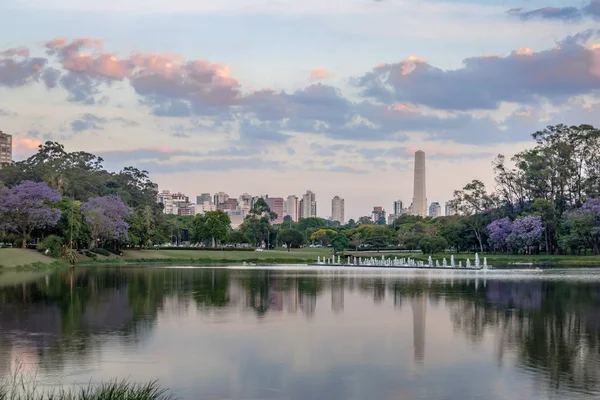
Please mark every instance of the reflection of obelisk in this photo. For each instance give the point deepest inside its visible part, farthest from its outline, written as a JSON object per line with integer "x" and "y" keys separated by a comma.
{"x": 419, "y": 205}
{"x": 419, "y": 307}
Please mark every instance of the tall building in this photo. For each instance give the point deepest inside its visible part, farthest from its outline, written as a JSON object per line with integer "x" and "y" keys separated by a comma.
{"x": 398, "y": 208}
{"x": 448, "y": 209}
{"x": 276, "y": 206}
{"x": 378, "y": 213}
{"x": 435, "y": 210}
{"x": 220, "y": 200}
{"x": 291, "y": 207}
{"x": 172, "y": 202}
{"x": 204, "y": 197}
{"x": 245, "y": 203}
{"x": 5, "y": 149}
{"x": 337, "y": 210}
{"x": 419, "y": 203}
{"x": 309, "y": 205}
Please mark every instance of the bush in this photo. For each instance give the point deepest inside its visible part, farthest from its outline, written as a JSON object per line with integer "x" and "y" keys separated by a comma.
{"x": 207, "y": 248}
{"x": 51, "y": 245}
{"x": 102, "y": 252}
{"x": 433, "y": 244}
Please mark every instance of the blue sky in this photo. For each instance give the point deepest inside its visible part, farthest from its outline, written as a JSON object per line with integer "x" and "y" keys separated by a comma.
{"x": 280, "y": 97}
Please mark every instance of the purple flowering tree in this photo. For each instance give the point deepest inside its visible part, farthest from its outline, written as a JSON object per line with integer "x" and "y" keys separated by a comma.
{"x": 526, "y": 233}
{"x": 106, "y": 217}
{"x": 499, "y": 231}
{"x": 27, "y": 207}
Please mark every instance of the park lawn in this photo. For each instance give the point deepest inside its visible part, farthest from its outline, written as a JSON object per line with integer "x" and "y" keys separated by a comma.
{"x": 305, "y": 255}
{"x": 492, "y": 258}
{"x": 10, "y": 258}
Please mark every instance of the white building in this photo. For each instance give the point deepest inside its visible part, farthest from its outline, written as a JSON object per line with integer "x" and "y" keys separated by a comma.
{"x": 337, "y": 210}
{"x": 291, "y": 207}
{"x": 245, "y": 203}
{"x": 435, "y": 210}
{"x": 220, "y": 198}
{"x": 5, "y": 149}
{"x": 204, "y": 207}
{"x": 398, "y": 208}
{"x": 309, "y": 205}
{"x": 449, "y": 210}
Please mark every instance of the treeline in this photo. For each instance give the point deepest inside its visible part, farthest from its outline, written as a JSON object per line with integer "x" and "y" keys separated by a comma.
{"x": 546, "y": 199}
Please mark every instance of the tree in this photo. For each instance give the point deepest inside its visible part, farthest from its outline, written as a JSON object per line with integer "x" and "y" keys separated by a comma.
{"x": 237, "y": 237}
{"x": 292, "y": 238}
{"x": 212, "y": 225}
{"x": 499, "y": 231}
{"x": 339, "y": 242}
{"x": 381, "y": 221}
{"x": 526, "y": 233}
{"x": 473, "y": 201}
{"x": 141, "y": 227}
{"x": 356, "y": 240}
{"x": 433, "y": 244}
{"x": 27, "y": 207}
{"x": 380, "y": 236}
{"x": 324, "y": 236}
{"x": 366, "y": 220}
{"x": 106, "y": 218}
{"x": 582, "y": 227}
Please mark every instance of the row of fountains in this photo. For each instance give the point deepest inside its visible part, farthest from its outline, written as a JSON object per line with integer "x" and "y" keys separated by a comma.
{"x": 403, "y": 262}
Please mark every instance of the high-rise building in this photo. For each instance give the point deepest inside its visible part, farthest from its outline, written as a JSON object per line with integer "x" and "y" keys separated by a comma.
{"x": 435, "y": 210}
{"x": 5, "y": 149}
{"x": 245, "y": 203}
{"x": 398, "y": 208}
{"x": 448, "y": 209}
{"x": 204, "y": 197}
{"x": 291, "y": 207}
{"x": 220, "y": 200}
{"x": 276, "y": 206}
{"x": 391, "y": 218}
{"x": 337, "y": 210}
{"x": 309, "y": 205}
{"x": 172, "y": 202}
{"x": 419, "y": 203}
{"x": 378, "y": 213}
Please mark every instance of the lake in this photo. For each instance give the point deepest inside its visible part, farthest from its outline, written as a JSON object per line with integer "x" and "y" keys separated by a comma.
{"x": 304, "y": 334}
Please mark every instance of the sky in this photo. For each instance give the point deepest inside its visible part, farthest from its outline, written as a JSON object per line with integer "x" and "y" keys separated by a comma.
{"x": 279, "y": 97}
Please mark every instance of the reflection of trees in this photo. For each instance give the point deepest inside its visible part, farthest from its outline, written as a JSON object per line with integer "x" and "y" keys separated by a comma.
{"x": 553, "y": 328}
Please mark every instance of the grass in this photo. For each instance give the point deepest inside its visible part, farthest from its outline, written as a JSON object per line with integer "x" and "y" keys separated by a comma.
{"x": 10, "y": 258}
{"x": 17, "y": 387}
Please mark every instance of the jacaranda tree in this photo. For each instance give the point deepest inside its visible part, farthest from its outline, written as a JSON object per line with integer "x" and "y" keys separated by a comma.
{"x": 499, "y": 231}
{"x": 26, "y": 207}
{"x": 526, "y": 234}
{"x": 106, "y": 218}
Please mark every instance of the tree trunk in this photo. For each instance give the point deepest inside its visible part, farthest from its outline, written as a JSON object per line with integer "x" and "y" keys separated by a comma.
{"x": 24, "y": 244}
{"x": 213, "y": 241}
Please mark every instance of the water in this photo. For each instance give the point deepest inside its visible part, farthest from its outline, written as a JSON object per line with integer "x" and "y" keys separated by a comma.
{"x": 250, "y": 333}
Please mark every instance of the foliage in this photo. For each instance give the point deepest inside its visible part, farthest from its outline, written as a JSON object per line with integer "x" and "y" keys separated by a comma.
{"x": 499, "y": 231}
{"x": 212, "y": 226}
{"x": 26, "y": 207}
{"x": 106, "y": 218}
{"x": 526, "y": 234}
{"x": 101, "y": 251}
{"x": 339, "y": 242}
{"x": 433, "y": 244}
{"x": 324, "y": 236}
{"x": 292, "y": 238}
{"x": 238, "y": 237}
{"x": 51, "y": 246}
{"x": 582, "y": 227}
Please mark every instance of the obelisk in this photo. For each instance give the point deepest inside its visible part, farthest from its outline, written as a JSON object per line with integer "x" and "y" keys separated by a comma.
{"x": 420, "y": 195}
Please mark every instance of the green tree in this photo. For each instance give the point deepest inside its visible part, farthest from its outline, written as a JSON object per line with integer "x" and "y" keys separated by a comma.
{"x": 292, "y": 238}
{"x": 433, "y": 244}
{"x": 324, "y": 236}
{"x": 212, "y": 226}
{"x": 339, "y": 242}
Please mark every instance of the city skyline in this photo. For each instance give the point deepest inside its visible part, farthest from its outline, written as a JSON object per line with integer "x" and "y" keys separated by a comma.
{"x": 279, "y": 102}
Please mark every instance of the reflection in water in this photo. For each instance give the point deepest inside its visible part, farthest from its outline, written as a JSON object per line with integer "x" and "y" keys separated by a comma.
{"x": 219, "y": 333}
{"x": 419, "y": 309}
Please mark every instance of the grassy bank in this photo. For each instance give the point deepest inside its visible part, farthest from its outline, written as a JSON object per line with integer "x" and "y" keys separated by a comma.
{"x": 499, "y": 259}
{"x": 279, "y": 256}
{"x": 25, "y": 265}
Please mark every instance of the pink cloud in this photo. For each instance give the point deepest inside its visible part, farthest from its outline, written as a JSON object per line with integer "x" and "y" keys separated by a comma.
{"x": 320, "y": 73}
{"x": 15, "y": 52}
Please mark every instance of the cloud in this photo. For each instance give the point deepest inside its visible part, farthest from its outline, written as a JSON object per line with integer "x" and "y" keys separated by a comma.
{"x": 6, "y": 113}
{"x": 15, "y": 52}
{"x": 220, "y": 165}
{"x": 88, "y": 122}
{"x": 524, "y": 76}
{"x": 320, "y": 74}
{"x": 14, "y": 73}
{"x": 568, "y": 14}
